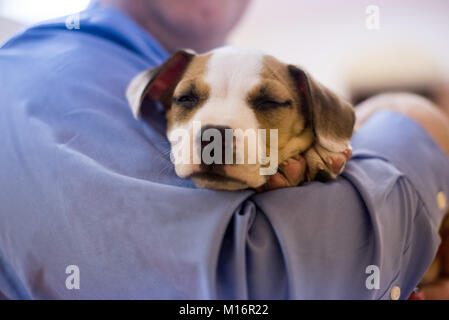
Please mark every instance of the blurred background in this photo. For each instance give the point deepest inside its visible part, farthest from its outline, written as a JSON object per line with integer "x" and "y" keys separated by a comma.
{"x": 355, "y": 47}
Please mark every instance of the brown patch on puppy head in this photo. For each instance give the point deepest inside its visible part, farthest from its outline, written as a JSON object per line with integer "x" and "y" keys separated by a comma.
{"x": 277, "y": 104}
{"x": 190, "y": 93}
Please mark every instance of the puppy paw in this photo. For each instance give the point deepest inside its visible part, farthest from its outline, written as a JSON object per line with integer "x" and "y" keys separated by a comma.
{"x": 290, "y": 174}
{"x": 323, "y": 164}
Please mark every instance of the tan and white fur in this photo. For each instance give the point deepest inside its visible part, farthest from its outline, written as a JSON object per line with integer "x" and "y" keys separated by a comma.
{"x": 243, "y": 89}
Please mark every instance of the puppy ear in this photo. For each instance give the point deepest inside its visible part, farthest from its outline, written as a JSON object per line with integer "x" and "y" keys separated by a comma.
{"x": 158, "y": 83}
{"x": 331, "y": 118}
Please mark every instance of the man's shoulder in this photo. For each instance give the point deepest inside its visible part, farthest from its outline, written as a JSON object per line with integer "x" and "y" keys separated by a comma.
{"x": 92, "y": 39}
{"x": 58, "y": 67}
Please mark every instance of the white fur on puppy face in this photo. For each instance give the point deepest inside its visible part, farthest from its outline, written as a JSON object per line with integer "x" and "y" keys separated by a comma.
{"x": 231, "y": 74}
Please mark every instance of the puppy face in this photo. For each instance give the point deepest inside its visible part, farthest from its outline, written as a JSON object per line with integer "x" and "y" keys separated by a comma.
{"x": 256, "y": 110}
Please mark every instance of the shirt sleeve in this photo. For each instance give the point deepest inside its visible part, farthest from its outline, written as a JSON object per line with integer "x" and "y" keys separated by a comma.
{"x": 381, "y": 214}
{"x": 402, "y": 142}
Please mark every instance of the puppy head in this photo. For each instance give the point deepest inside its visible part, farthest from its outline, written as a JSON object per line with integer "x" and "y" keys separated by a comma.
{"x": 233, "y": 114}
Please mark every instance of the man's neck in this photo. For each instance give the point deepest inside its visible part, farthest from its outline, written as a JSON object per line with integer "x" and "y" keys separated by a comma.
{"x": 155, "y": 26}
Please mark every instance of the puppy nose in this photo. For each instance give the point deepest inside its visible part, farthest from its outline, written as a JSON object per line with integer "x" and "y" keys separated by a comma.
{"x": 208, "y": 136}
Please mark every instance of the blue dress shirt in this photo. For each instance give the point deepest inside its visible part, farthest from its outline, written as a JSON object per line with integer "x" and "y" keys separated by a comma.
{"x": 83, "y": 183}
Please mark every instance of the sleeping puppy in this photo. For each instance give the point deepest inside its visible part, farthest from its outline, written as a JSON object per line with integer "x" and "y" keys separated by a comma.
{"x": 233, "y": 97}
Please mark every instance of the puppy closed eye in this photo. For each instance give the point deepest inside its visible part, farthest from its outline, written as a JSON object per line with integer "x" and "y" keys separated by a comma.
{"x": 188, "y": 100}
{"x": 269, "y": 103}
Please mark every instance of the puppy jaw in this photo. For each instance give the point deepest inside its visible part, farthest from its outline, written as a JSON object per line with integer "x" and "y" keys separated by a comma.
{"x": 241, "y": 176}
